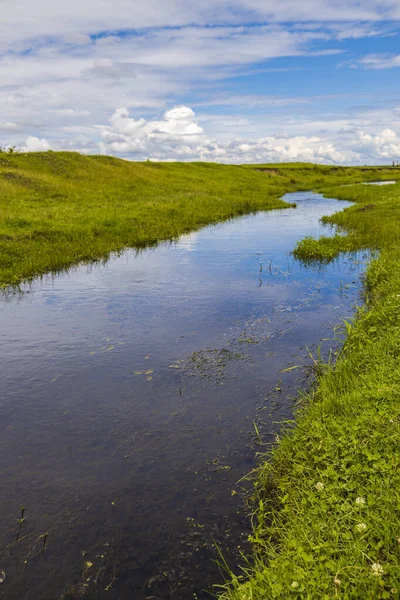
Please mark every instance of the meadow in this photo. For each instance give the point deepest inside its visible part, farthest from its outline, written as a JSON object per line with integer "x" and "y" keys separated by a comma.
{"x": 58, "y": 209}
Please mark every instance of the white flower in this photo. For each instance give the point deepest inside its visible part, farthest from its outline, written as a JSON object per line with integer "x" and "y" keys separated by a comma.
{"x": 337, "y": 581}
{"x": 295, "y": 584}
{"x": 360, "y": 501}
{"x": 319, "y": 486}
{"x": 361, "y": 527}
{"x": 377, "y": 569}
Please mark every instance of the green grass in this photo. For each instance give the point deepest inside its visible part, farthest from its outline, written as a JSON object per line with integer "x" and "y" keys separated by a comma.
{"x": 323, "y": 250}
{"x": 57, "y": 209}
{"x": 327, "y": 513}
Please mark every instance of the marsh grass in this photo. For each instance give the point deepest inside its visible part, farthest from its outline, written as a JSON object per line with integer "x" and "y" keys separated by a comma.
{"x": 327, "y": 499}
{"x": 20, "y": 522}
{"x": 60, "y": 208}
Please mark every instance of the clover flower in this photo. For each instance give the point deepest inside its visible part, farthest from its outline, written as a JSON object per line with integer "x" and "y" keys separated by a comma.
{"x": 319, "y": 486}
{"x": 294, "y": 584}
{"x": 377, "y": 569}
{"x": 361, "y": 527}
{"x": 360, "y": 501}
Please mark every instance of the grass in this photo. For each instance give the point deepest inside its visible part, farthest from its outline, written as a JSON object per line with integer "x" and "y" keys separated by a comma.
{"x": 323, "y": 250}
{"x": 57, "y": 209}
{"x": 327, "y": 516}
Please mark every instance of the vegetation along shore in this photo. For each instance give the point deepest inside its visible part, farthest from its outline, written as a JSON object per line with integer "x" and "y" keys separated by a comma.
{"x": 327, "y": 499}
{"x": 327, "y": 520}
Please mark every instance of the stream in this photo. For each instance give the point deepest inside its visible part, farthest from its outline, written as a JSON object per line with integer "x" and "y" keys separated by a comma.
{"x": 134, "y": 397}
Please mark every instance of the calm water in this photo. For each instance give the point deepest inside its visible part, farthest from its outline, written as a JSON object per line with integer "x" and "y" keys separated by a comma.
{"x": 129, "y": 392}
{"x": 380, "y": 182}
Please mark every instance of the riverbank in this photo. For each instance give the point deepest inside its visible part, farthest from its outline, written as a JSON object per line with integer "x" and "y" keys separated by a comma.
{"x": 60, "y": 208}
{"x": 328, "y": 523}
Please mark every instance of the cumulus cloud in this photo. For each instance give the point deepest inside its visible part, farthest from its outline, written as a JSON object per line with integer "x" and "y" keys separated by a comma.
{"x": 126, "y": 135}
{"x": 179, "y": 137}
{"x": 384, "y": 144}
{"x": 34, "y": 144}
{"x": 276, "y": 149}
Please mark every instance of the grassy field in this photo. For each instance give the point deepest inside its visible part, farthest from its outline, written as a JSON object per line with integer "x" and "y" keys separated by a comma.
{"x": 57, "y": 209}
{"x": 327, "y": 520}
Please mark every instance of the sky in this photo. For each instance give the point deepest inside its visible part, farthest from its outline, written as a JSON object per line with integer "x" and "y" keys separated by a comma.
{"x": 233, "y": 81}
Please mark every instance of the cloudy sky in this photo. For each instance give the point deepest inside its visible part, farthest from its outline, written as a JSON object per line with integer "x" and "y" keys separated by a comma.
{"x": 217, "y": 80}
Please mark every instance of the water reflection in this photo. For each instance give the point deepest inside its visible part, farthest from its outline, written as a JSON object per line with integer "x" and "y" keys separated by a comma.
{"x": 379, "y": 182}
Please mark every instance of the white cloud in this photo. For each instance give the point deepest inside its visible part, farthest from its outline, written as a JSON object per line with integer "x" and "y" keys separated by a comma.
{"x": 8, "y": 126}
{"x": 70, "y": 112}
{"x": 24, "y": 20}
{"x": 178, "y": 137}
{"x": 34, "y": 144}
{"x": 126, "y": 135}
{"x": 385, "y": 144}
{"x": 380, "y": 61}
{"x": 277, "y": 149}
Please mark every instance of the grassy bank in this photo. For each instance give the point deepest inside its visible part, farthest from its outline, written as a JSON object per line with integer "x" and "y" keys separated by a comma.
{"x": 327, "y": 523}
{"x": 57, "y": 209}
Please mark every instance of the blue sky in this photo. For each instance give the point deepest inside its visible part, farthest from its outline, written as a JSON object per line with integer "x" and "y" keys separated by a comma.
{"x": 223, "y": 80}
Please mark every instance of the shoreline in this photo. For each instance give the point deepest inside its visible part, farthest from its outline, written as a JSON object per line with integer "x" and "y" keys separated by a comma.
{"x": 326, "y": 499}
